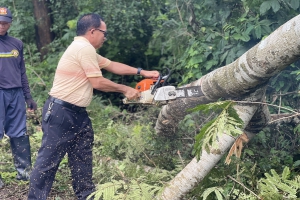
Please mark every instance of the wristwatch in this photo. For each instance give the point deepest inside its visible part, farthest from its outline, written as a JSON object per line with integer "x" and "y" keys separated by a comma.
{"x": 139, "y": 71}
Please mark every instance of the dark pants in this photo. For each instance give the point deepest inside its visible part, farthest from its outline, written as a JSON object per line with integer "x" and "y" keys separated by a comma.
{"x": 66, "y": 131}
{"x": 13, "y": 124}
{"x": 12, "y": 113}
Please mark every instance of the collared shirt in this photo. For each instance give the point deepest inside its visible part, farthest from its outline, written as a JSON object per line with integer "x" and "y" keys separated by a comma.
{"x": 78, "y": 63}
{"x": 12, "y": 65}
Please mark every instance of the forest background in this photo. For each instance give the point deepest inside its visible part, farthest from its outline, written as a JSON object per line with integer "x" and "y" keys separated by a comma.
{"x": 190, "y": 37}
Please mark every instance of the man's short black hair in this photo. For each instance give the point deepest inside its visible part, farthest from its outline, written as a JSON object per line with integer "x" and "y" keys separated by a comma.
{"x": 88, "y": 21}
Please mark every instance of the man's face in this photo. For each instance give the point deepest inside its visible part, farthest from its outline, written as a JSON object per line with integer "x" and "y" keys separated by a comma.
{"x": 100, "y": 34}
{"x": 4, "y": 26}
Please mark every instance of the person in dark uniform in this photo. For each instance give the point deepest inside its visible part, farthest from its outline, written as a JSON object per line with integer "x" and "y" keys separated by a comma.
{"x": 66, "y": 125}
{"x": 14, "y": 92}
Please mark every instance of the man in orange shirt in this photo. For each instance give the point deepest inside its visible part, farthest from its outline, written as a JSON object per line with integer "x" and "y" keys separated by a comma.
{"x": 66, "y": 125}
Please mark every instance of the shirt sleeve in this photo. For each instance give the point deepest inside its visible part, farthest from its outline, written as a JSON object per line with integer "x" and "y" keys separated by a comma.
{"x": 24, "y": 79}
{"x": 102, "y": 61}
{"x": 89, "y": 62}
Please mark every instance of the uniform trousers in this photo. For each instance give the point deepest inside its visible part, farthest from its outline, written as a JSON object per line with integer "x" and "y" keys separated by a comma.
{"x": 12, "y": 113}
{"x": 66, "y": 130}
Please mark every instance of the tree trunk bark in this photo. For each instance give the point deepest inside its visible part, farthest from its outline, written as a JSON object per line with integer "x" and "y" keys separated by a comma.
{"x": 249, "y": 72}
{"x": 43, "y": 26}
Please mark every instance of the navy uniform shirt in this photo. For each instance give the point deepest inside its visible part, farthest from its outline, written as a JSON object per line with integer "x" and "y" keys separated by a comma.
{"x": 12, "y": 66}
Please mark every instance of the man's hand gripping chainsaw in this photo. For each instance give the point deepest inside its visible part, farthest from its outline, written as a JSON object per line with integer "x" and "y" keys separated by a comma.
{"x": 159, "y": 93}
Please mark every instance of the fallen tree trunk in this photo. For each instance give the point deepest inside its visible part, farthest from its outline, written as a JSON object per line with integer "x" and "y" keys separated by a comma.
{"x": 247, "y": 76}
{"x": 249, "y": 72}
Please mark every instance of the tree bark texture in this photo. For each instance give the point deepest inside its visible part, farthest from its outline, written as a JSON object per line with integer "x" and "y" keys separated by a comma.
{"x": 43, "y": 25}
{"x": 249, "y": 72}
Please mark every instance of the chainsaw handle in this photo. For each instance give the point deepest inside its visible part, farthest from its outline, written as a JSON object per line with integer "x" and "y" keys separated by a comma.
{"x": 160, "y": 78}
{"x": 156, "y": 84}
{"x": 166, "y": 77}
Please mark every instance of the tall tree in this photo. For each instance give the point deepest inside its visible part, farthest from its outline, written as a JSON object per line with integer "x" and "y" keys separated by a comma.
{"x": 44, "y": 35}
{"x": 244, "y": 79}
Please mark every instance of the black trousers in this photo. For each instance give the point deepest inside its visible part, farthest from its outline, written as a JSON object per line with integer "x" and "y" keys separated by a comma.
{"x": 65, "y": 131}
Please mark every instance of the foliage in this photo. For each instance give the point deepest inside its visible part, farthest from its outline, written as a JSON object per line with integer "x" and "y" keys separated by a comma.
{"x": 279, "y": 143}
{"x": 276, "y": 187}
{"x": 283, "y": 92}
{"x": 276, "y": 147}
{"x": 22, "y": 27}
{"x": 226, "y": 122}
{"x": 121, "y": 135}
{"x": 216, "y": 190}
{"x": 272, "y": 187}
{"x": 196, "y": 37}
{"x": 130, "y": 190}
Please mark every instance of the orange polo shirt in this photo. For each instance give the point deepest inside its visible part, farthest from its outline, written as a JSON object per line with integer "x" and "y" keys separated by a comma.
{"x": 78, "y": 62}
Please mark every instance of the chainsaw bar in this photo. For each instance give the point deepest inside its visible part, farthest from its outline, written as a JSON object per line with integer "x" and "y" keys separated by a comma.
{"x": 157, "y": 92}
{"x": 186, "y": 92}
{"x": 166, "y": 93}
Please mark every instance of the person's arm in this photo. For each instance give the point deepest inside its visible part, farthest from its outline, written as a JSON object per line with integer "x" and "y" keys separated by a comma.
{"x": 31, "y": 104}
{"x": 123, "y": 69}
{"x": 105, "y": 85}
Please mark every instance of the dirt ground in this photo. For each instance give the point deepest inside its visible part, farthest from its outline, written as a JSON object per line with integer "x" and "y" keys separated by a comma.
{"x": 13, "y": 192}
{"x": 19, "y": 192}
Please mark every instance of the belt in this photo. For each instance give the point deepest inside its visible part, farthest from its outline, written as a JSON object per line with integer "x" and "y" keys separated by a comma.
{"x": 66, "y": 104}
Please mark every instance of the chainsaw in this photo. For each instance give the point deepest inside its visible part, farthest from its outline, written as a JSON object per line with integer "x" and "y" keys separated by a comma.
{"x": 159, "y": 93}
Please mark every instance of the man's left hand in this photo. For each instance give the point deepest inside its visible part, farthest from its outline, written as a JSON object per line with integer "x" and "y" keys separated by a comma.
{"x": 31, "y": 105}
{"x": 150, "y": 74}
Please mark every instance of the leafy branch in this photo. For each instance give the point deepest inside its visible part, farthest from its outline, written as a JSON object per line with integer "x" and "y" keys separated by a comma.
{"x": 227, "y": 122}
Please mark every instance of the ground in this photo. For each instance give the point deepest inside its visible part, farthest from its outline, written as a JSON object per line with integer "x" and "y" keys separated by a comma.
{"x": 14, "y": 192}
{"x": 18, "y": 191}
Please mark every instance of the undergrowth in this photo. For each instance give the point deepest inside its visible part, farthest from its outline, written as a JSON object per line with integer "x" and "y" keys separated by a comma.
{"x": 132, "y": 162}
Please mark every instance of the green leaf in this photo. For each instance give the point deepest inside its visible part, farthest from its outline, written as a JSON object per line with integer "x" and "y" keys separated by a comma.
{"x": 265, "y": 6}
{"x": 294, "y": 4}
{"x": 249, "y": 152}
{"x": 258, "y": 32}
{"x": 224, "y": 55}
{"x": 245, "y": 37}
{"x": 207, "y": 192}
{"x": 275, "y": 5}
{"x": 237, "y": 36}
{"x": 219, "y": 194}
{"x": 195, "y": 60}
{"x": 72, "y": 24}
{"x": 286, "y": 173}
{"x": 217, "y": 190}
{"x": 296, "y": 164}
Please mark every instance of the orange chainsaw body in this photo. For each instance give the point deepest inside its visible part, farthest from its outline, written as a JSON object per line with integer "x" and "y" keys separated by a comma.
{"x": 145, "y": 84}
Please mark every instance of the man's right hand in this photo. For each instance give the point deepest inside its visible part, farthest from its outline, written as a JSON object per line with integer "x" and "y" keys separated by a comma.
{"x": 132, "y": 94}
